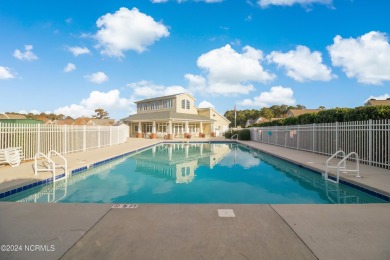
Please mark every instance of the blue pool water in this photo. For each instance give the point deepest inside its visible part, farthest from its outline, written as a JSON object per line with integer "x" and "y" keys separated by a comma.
{"x": 196, "y": 173}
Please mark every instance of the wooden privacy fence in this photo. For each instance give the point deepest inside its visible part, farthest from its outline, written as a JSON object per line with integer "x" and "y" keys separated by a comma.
{"x": 61, "y": 138}
{"x": 369, "y": 139}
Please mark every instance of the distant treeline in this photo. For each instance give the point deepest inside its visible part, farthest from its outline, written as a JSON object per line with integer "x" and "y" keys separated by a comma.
{"x": 335, "y": 115}
{"x": 266, "y": 112}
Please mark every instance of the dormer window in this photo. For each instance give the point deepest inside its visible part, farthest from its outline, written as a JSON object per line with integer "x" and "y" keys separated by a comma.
{"x": 185, "y": 104}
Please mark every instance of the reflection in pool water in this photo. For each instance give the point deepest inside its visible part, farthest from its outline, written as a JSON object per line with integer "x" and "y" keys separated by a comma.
{"x": 196, "y": 173}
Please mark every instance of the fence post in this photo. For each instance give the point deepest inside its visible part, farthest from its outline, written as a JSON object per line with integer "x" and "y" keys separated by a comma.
{"x": 298, "y": 138}
{"x": 65, "y": 139}
{"x": 314, "y": 139}
{"x": 285, "y": 136}
{"x": 38, "y": 138}
{"x": 85, "y": 138}
{"x": 370, "y": 142}
{"x": 337, "y": 138}
{"x": 110, "y": 135}
{"x": 99, "y": 136}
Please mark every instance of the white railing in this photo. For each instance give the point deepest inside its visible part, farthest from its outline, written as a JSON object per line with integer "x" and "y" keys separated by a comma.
{"x": 341, "y": 165}
{"x": 49, "y": 167}
{"x": 64, "y": 166}
{"x": 65, "y": 139}
{"x": 370, "y": 139}
{"x": 234, "y": 137}
{"x": 339, "y": 153}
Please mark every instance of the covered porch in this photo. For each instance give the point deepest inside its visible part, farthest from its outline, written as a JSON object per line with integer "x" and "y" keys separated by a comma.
{"x": 170, "y": 126}
{"x": 171, "y": 129}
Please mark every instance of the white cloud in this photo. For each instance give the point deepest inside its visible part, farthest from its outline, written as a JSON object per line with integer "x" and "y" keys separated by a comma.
{"x": 196, "y": 82}
{"x": 109, "y": 101}
{"x": 302, "y": 65}
{"x": 205, "y": 104}
{"x": 182, "y": 1}
{"x": 229, "y": 72}
{"x": 69, "y": 67}
{"x": 75, "y": 111}
{"x": 127, "y": 30}
{"x": 381, "y": 97}
{"x": 5, "y": 73}
{"x": 277, "y": 95}
{"x": 77, "y": 50}
{"x": 366, "y": 58}
{"x": 26, "y": 55}
{"x": 266, "y": 3}
{"x": 98, "y": 77}
{"x": 146, "y": 89}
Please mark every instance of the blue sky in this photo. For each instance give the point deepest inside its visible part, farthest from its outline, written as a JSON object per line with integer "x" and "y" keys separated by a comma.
{"x": 73, "y": 57}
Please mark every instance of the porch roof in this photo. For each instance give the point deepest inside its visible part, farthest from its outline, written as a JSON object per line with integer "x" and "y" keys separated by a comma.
{"x": 166, "y": 116}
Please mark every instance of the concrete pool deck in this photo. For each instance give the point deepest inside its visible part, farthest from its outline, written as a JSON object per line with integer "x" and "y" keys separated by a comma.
{"x": 165, "y": 231}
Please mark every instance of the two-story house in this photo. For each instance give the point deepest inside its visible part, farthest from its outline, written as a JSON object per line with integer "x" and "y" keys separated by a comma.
{"x": 174, "y": 116}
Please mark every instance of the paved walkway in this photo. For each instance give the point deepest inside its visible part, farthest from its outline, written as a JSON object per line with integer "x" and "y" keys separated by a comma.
{"x": 165, "y": 231}
{"x": 95, "y": 231}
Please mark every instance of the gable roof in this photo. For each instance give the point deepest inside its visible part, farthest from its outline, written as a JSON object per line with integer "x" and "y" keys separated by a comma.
{"x": 96, "y": 121}
{"x": 216, "y": 112}
{"x": 64, "y": 122}
{"x": 164, "y": 97}
{"x": 12, "y": 116}
{"x": 167, "y": 115}
{"x": 374, "y": 102}
{"x": 298, "y": 112}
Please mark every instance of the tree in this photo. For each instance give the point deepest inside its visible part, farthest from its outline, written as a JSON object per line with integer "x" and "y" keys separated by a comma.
{"x": 266, "y": 113}
{"x": 101, "y": 114}
{"x": 300, "y": 107}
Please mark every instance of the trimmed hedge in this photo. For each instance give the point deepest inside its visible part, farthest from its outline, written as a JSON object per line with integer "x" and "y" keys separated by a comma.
{"x": 335, "y": 115}
{"x": 244, "y": 134}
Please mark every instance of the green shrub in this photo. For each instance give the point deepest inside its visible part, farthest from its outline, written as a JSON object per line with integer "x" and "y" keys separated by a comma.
{"x": 244, "y": 134}
{"x": 335, "y": 115}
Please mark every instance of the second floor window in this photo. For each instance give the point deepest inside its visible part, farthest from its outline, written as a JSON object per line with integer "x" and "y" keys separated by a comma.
{"x": 187, "y": 104}
{"x": 167, "y": 103}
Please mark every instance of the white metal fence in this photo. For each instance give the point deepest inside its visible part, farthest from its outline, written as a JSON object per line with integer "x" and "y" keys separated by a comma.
{"x": 370, "y": 139}
{"x": 62, "y": 138}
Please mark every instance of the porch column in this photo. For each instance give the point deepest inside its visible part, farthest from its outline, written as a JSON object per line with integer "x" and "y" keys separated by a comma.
{"x": 170, "y": 152}
{"x": 187, "y": 148}
{"x": 154, "y": 133}
{"x": 212, "y": 130}
{"x": 170, "y": 136}
{"x": 186, "y": 130}
{"x": 201, "y": 129}
{"x": 139, "y": 133}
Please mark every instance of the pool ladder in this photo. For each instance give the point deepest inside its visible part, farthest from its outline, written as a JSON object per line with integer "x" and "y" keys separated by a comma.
{"x": 234, "y": 137}
{"x": 51, "y": 165}
{"x": 341, "y": 165}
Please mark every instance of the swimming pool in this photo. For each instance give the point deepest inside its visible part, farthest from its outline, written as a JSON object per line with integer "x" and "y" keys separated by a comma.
{"x": 196, "y": 173}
